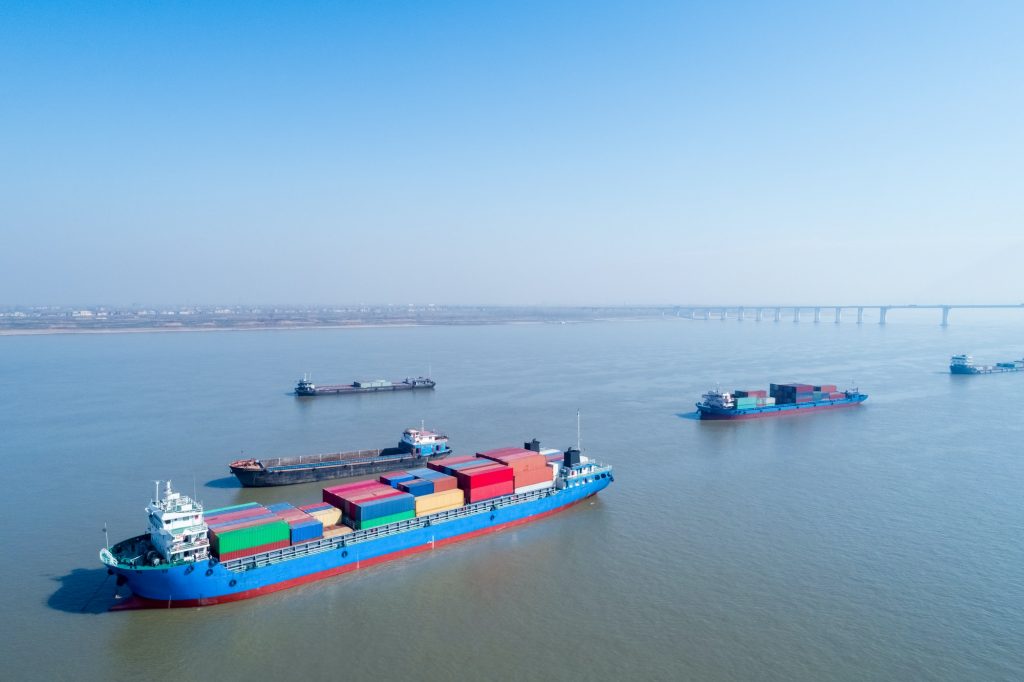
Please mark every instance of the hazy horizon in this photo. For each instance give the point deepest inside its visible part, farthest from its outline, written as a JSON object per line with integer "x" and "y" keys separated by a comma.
{"x": 537, "y": 154}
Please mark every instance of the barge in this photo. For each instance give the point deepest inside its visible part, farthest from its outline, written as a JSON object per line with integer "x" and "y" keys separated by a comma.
{"x": 416, "y": 448}
{"x": 306, "y": 387}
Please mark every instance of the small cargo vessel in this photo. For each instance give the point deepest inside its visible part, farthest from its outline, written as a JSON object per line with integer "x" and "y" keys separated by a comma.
{"x": 417, "y": 447}
{"x": 306, "y": 387}
{"x": 195, "y": 557}
{"x": 780, "y": 399}
{"x": 964, "y": 364}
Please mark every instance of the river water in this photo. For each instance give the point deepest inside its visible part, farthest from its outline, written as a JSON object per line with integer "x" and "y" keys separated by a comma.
{"x": 875, "y": 543}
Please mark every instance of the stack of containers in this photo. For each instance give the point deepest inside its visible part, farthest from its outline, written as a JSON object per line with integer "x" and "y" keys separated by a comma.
{"x": 792, "y": 393}
{"x": 440, "y": 480}
{"x": 233, "y": 537}
{"x": 369, "y": 504}
{"x": 327, "y": 514}
{"x": 303, "y": 527}
{"x": 485, "y": 482}
{"x": 335, "y": 495}
{"x": 530, "y": 470}
{"x": 743, "y": 401}
{"x": 433, "y": 491}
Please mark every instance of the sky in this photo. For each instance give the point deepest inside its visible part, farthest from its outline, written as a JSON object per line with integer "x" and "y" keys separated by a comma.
{"x": 511, "y": 153}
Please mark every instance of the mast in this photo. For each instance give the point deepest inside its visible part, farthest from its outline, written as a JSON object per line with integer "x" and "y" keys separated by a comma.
{"x": 578, "y": 445}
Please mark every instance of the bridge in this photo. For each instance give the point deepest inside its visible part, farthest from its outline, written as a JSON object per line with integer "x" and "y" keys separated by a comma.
{"x": 795, "y": 312}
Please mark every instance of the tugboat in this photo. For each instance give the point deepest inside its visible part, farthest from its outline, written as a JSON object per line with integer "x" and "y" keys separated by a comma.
{"x": 417, "y": 447}
{"x": 306, "y": 387}
{"x": 964, "y": 364}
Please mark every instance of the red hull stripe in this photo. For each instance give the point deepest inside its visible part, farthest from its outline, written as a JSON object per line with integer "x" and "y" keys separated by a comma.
{"x": 136, "y": 602}
{"x": 779, "y": 413}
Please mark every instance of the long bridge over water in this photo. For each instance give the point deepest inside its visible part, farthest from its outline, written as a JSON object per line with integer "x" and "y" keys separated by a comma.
{"x": 797, "y": 312}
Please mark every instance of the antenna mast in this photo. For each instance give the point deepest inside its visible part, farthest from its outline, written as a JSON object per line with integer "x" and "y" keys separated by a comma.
{"x": 578, "y": 445}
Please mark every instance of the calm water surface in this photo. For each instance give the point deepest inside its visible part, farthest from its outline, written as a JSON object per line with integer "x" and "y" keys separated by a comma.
{"x": 876, "y": 543}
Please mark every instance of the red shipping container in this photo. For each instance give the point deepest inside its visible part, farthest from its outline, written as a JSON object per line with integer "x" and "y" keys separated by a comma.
{"x": 757, "y": 394}
{"x": 440, "y": 464}
{"x": 825, "y": 388}
{"x": 349, "y": 487}
{"x": 486, "y": 492}
{"x": 253, "y": 550}
{"x": 494, "y": 473}
{"x": 232, "y": 516}
{"x": 804, "y": 400}
{"x": 836, "y": 395}
{"x": 504, "y": 452}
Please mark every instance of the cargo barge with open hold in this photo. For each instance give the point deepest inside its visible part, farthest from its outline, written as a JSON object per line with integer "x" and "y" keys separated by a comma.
{"x": 191, "y": 557}
{"x": 417, "y": 447}
{"x": 306, "y": 387}
{"x": 964, "y": 364}
{"x": 781, "y": 399}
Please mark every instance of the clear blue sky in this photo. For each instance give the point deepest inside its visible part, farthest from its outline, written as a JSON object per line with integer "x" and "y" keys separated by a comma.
{"x": 521, "y": 152}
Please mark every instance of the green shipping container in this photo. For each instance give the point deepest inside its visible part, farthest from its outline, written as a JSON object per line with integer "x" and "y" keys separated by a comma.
{"x": 382, "y": 520}
{"x": 253, "y": 536}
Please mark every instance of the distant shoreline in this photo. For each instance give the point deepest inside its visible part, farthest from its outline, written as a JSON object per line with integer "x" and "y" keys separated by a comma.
{"x": 367, "y": 325}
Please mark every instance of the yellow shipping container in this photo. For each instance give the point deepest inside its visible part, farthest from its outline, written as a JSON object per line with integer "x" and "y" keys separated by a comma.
{"x": 335, "y": 531}
{"x": 328, "y": 517}
{"x": 436, "y": 502}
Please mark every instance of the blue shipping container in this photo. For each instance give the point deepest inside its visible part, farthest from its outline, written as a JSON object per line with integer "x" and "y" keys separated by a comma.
{"x": 393, "y": 479}
{"x": 303, "y": 531}
{"x": 417, "y": 487}
{"x": 280, "y": 506}
{"x": 373, "y": 509}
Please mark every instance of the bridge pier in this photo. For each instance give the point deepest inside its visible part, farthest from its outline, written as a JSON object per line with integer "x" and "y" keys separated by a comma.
{"x": 778, "y": 314}
{"x": 817, "y": 315}
{"x": 796, "y": 314}
{"x": 882, "y": 311}
{"x": 760, "y": 315}
{"x": 860, "y": 316}
{"x": 945, "y": 316}
{"x": 839, "y": 314}
{"x": 740, "y": 314}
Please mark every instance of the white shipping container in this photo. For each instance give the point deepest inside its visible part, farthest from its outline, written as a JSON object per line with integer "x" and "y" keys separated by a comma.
{"x": 536, "y": 486}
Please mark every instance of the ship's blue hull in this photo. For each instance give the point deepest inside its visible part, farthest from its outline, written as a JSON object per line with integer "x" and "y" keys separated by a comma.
{"x": 707, "y": 412}
{"x": 207, "y": 583}
{"x": 958, "y": 369}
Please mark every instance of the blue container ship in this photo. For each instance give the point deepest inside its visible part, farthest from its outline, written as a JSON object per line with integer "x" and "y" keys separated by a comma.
{"x": 174, "y": 564}
{"x": 781, "y": 399}
{"x": 964, "y": 364}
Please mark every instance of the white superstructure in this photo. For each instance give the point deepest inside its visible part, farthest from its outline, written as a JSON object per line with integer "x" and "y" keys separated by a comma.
{"x": 177, "y": 529}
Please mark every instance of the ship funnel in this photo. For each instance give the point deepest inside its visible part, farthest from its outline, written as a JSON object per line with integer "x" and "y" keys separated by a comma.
{"x": 571, "y": 457}
{"x": 532, "y": 446}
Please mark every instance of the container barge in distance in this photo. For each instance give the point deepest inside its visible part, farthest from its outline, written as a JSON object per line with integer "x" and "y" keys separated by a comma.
{"x": 781, "y": 399}
{"x": 964, "y": 364}
{"x": 190, "y": 557}
{"x": 306, "y": 387}
{"x": 417, "y": 447}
